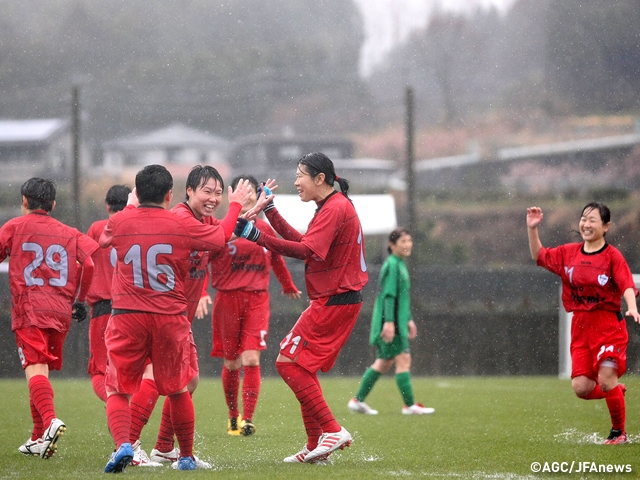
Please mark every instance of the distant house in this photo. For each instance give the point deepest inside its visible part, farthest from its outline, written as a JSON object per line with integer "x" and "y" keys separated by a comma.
{"x": 178, "y": 147}
{"x": 276, "y": 156}
{"x": 36, "y": 147}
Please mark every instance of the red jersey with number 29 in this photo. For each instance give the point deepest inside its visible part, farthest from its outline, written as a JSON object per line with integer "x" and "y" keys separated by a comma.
{"x": 43, "y": 269}
{"x": 154, "y": 248}
{"x": 590, "y": 281}
{"x": 335, "y": 237}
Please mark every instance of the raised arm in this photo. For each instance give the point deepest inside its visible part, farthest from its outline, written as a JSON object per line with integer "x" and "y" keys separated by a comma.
{"x": 534, "y": 218}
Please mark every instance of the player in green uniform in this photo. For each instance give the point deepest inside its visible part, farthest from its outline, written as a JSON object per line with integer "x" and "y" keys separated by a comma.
{"x": 391, "y": 329}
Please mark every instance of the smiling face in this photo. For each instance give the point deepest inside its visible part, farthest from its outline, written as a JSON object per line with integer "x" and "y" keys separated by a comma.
{"x": 402, "y": 247}
{"x": 592, "y": 228}
{"x": 205, "y": 199}
{"x": 308, "y": 187}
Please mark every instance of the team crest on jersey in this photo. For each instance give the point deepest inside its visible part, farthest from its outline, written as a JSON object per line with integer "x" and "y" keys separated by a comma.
{"x": 603, "y": 279}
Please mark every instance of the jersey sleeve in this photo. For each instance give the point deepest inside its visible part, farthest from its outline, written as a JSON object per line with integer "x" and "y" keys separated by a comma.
{"x": 6, "y": 233}
{"x": 389, "y": 291}
{"x": 278, "y": 264}
{"x": 281, "y": 226}
{"x": 552, "y": 259}
{"x": 622, "y": 273}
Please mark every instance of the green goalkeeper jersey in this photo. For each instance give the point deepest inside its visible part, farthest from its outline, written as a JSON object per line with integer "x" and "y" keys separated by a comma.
{"x": 393, "y": 303}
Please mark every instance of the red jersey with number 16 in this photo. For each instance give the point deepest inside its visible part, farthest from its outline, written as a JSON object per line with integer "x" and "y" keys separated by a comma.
{"x": 155, "y": 249}
{"x": 43, "y": 271}
{"x": 590, "y": 281}
{"x": 335, "y": 236}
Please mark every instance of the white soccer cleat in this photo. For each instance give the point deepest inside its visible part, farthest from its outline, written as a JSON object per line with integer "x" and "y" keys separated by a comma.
{"x": 51, "y": 436}
{"x": 165, "y": 457}
{"x": 140, "y": 457}
{"x": 327, "y": 443}
{"x": 200, "y": 464}
{"x": 417, "y": 409}
{"x": 31, "y": 447}
{"x": 300, "y": 456}
{"x": 361, "y": 407}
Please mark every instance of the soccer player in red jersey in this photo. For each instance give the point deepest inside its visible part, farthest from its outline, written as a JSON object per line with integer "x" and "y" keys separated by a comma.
{"x": 204, "y": 189}
{"x": 99, "y": 296}
{"x": 335, "y": 273}
{"x": 44, "y": 280}
{"x": 149, "y": 317}
{"x": 241, "y": 315}
{"x": 594, "y": 277}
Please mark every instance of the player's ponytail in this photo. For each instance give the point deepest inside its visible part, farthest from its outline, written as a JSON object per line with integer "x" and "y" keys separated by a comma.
{"x": 317, "y": 163}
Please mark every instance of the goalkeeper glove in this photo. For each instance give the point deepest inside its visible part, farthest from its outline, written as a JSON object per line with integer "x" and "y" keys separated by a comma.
{"x": 246, "y": 229}
{"x": 79, "y": 311}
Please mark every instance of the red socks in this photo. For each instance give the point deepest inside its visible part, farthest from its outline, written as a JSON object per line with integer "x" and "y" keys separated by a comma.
{"x": 183, "y": 420}
{"x": 41, "y": 394}
{"x": 119, "y": 418}
{"x": 38, "y": 426}
{"x": 615, "y": 403}
{"x": 250, "y": 390}
{"x": 315, "y": 411}
{"x": 164, "y": 442}
{"x": 230, "y": 385}
{"x": 142, "y": 404}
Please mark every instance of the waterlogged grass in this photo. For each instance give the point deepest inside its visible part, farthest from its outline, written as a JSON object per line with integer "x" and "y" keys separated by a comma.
{"x": 484, "y": 427}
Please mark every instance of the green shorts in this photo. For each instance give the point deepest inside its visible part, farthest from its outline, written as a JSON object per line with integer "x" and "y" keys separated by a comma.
{"x": 388, "y": 351}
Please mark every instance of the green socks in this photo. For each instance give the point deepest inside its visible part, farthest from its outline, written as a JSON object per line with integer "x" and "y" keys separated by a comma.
{"x": 403, "y": 380}
{"x": 369, "y": 379}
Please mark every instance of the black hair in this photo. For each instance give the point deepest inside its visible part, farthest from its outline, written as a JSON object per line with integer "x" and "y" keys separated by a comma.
{"x": 604, "y": 211}
{"x": 199, "y": 176}
{"x": 252, "y": 181}
{"x": 153, "y": 182}
{"x": 40, "y": 193}
{"x": 317, "y": 163}
{"x": 395, "y": 235}
{"x": 117, "y": 197}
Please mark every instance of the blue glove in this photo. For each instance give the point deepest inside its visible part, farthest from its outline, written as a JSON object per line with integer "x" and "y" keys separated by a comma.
{"x": 267, "y": 192}
{"x": 246, "y": 229}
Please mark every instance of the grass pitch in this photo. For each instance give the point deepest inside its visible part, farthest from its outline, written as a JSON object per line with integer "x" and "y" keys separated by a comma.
{"x": 484, "y": 427}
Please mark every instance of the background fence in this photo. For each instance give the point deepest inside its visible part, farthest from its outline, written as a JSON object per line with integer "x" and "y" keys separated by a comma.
{"x": 471, "y": 321}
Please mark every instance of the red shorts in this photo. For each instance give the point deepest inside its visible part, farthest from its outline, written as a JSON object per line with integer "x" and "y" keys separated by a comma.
{"x": 316, "y": 339}
{"x": 597, "y": 337}
{"x": 240, "y": 322}
{"x": 40, "y": 346}
{"x": 134, "y": 338}
{"x": 97, "y": 347}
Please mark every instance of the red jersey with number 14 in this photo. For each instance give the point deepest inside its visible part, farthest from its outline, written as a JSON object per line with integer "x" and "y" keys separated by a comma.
{"x": 43, "y": 271}
{"x": 335, "y": 236}
{"x": 590, "y": 281}
{"x": 155, "y": 249}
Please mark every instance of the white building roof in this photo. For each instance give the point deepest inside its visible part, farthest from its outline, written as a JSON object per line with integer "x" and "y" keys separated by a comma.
{"x": 22, "y": 131}
{"x": 175, "y": 135}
